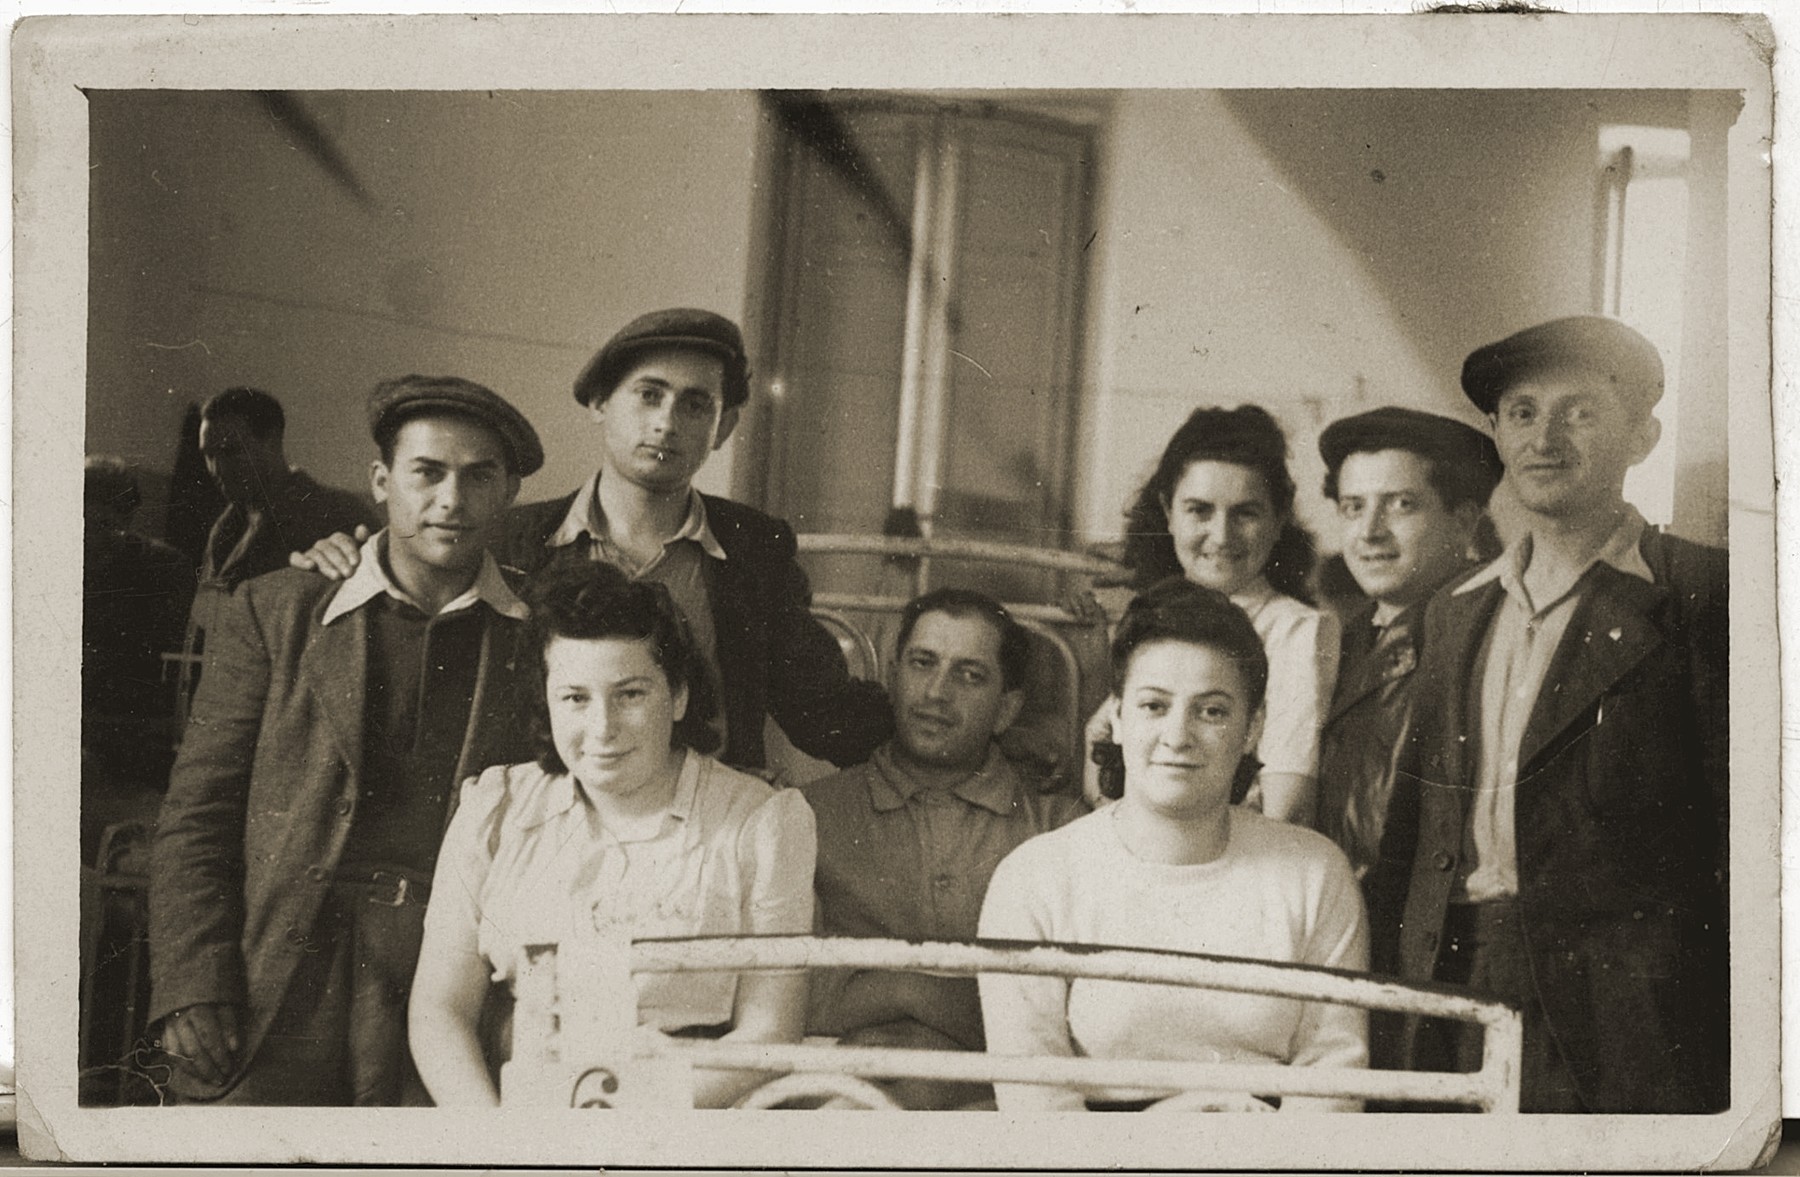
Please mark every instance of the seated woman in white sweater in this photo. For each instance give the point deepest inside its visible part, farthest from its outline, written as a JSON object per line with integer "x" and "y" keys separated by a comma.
{"x": 1174, "y": 865}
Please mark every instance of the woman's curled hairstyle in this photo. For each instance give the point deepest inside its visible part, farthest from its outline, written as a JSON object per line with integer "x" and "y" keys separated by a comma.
{"x": 594, "y": 601}
{"x": 1177, "y": 610}
{"x": 1246, "y": 436}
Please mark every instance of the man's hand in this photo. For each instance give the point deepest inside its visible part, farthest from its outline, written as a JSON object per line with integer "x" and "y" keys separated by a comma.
{"x": 335, "y": 557}
{"x": 205, "y": 1038}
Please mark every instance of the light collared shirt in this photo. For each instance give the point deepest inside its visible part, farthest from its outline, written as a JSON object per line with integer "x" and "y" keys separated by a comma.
{"x": 898, "y": 857}
{"x": 1521, "y": 641}
{"x": 527, "y": 860}
{"x": 1385, "y": 612}
{"x": 904, "y": 858}
{"x": 1302, "y": 646}
{"x": 679, "y": 567}
{"x": 371, "y": 580}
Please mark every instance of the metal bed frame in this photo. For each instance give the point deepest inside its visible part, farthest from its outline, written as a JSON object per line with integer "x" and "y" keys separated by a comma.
{"x": 582, "y": 1047}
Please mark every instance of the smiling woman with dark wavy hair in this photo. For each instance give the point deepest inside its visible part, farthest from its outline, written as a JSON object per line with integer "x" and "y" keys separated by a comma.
{"x": 1219, "y": 511}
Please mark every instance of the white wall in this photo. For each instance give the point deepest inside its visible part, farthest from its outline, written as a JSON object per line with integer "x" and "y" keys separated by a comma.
{"x": 1319, "y": 252}
{"x": 1325, "y": 252}
{"x": 507, "y": 235}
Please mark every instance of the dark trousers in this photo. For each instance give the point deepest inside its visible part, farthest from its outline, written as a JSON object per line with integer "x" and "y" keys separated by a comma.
{"x": 1485, "y": 950}
{"x": 339, "y": 1037}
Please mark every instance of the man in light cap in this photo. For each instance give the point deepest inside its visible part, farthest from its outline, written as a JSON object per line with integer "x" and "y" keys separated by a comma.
{"x": 1567, "y": 822}
{"x": 666, "y": 391}
{"x": 294, "y": 854}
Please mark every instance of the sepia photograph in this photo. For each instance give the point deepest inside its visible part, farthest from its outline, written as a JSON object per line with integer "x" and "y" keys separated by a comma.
{"x": 992, "y": 567}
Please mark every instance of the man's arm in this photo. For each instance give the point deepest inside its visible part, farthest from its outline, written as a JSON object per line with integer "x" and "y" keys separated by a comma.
{"x": 821, "y": 709}
{"x": 949, "y": 1005}
{"x": 197, "y": 862}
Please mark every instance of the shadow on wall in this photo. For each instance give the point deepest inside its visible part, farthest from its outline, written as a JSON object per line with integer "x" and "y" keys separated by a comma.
{"x": 1473, "y": 210}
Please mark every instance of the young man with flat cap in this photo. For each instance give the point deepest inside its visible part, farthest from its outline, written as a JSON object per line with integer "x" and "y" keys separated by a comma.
{"x": 295, "y": 849}
{"x": 1567, "y": 811}
{"x": 1411, "y": 489}
{"x": 665, "y": 392}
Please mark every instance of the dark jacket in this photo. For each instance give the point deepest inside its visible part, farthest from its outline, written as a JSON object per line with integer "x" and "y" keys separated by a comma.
{"x": 775, "y": 659}
{"x": 301, "y": 512}
{"x": 1360, "y": 748}
{"x": 1620, "y": 822}
{"x": 267, "y": 783}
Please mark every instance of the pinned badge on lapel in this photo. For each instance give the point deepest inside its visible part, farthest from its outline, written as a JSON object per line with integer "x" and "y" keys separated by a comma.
{"x": 1404, "y": 661}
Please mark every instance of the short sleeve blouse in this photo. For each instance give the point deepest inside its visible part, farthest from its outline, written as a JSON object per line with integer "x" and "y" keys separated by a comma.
{"x": 527, "y": 861}
{"x": 1302, "y": 645}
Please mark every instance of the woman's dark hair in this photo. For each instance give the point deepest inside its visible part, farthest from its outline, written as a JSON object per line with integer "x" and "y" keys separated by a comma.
{"x": 1177, "y": 610}
{"x": 1245, "y": 436}
{"x": 591, "y": 601}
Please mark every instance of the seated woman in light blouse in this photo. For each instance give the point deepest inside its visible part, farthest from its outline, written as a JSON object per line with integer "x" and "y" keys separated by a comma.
{"x": 622, "y": 826}
{"x": 1175, "y": 865}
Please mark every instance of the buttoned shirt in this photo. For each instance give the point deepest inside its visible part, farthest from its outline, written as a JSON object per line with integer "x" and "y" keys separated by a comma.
{"x": 900, "y": 858}
{"x": 679, "y": 567}
{"x": 528, "y": 860}
{"x": 371, "y": 579}
{"x": 1521, "y": 642}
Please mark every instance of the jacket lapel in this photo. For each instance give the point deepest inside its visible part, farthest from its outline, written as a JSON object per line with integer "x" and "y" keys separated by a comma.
{"x": 1367, "y": 662}
{"x": 1614, "y": 627}
{"x": 1453, "y": 647}
{"x": 334, "y": 667}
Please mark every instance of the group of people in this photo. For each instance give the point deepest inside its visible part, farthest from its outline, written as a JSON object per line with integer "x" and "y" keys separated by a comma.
{"x": 487, "y": 726}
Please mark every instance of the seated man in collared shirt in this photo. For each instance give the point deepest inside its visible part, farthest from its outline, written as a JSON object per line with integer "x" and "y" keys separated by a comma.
{"x": 908, "y": 841}
{"x": 1565, "y": 821}
{"x": 665, "y": 392}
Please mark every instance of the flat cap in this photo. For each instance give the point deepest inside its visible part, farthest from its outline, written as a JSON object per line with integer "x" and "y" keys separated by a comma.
{"x": 1467, "y": 452}
{"x": 394, "y": 402}
{"x": 677, "y": 327}
{"x": 1593, "y": 343}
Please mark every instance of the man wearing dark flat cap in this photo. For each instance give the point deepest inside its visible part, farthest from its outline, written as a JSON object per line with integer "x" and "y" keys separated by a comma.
{"x": 666, "y": 392}
{"x": 1411, "y": 489}
{"x": 294, "y": 854}
{"x": 1566, "y": 814}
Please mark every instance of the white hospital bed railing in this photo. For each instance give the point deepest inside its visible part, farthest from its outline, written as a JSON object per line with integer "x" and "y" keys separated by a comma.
{"x": 576, "y": 1044}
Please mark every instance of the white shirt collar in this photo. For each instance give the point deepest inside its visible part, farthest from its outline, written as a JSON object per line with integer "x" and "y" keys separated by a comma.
{"x": 564, "y": 795}
{"x": 586, "y": 518}
{"x": 1620, "y": 551}
{"x": 371, "y": 580}
{"x": 1253, "y": 596}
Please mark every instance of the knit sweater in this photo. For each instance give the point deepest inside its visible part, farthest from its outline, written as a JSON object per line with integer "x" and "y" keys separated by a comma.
{"x": 1278, "y": 893}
